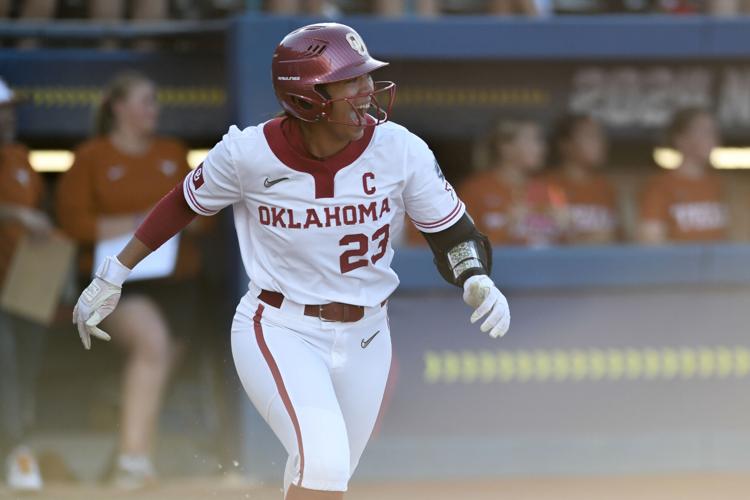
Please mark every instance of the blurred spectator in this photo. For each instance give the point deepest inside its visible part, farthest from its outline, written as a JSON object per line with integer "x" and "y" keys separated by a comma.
{"x": 206, "y": 9}
{"x": 141, "y": 10}
{"x": 98, "y": 10}
{"x": 646, "y": 6}
{"x": 581, "y": 148}
{"x": 688, "y": 203}
{"x": 728, "y": 7}
{"x": 682, "y": 6}
{"x": 494, "y": 7}
{"x": 117, "y": 176}
{"x": 436, "y": 7}
{"x": 314, "y": 7}
{"x": 507, "y": 204}
{"x": 514, "y": 7}
{"x": 579, "y": 7}
{"x": 21, "y": 192}
{"x": 29, "y": 9}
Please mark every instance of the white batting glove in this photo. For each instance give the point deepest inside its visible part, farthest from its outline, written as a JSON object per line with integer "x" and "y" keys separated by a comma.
{"x": 99, "y": 299}
{"x": 482, "y": 294}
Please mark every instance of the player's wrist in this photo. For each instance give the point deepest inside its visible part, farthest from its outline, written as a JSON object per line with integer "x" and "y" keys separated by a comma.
{"x": 113, "y": 271}
{"x": 472, "y": 277}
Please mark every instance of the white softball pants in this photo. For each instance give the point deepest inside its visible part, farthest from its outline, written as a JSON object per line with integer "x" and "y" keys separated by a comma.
{"x": 318, "y": 384}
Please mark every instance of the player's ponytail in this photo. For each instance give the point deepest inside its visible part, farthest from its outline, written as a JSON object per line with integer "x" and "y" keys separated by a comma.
{"x": 116, "y": 90}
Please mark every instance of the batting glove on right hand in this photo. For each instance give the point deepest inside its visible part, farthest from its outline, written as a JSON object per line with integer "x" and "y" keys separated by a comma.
{"x": 482, "y": 294}
{"x": 99, "y": 299}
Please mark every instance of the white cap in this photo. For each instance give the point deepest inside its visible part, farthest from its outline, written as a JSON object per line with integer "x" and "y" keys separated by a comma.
{"x": 6, "y": 94}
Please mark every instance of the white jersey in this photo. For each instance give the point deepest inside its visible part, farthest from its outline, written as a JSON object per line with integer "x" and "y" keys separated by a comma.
{"x": 319, "y": 231}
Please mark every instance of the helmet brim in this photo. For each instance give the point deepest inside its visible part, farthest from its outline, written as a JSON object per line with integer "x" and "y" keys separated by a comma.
{"x": 353, "y": 71}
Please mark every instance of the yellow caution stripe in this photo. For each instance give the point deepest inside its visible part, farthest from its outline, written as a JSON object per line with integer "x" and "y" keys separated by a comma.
{"x": 428, "y": 96}
{"x": 51, "y": 97}
{"x": 586, "y": 365}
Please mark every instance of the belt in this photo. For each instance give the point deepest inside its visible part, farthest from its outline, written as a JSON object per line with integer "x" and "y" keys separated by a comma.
{"x": 334, "y": 311}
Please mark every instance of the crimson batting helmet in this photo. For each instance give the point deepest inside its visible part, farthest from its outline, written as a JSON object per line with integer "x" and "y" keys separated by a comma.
{"x": 325, "y": 53}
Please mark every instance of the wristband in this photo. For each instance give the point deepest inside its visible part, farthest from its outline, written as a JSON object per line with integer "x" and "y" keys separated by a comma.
{"x": 112, "y": 271}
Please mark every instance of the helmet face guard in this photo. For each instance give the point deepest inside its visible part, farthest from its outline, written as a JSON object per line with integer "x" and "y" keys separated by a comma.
{"x": 380, "y": 102}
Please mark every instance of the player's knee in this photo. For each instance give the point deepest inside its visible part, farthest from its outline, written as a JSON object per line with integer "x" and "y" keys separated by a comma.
{"x": 326, "y": 470}
{"x": 325, "y": 460}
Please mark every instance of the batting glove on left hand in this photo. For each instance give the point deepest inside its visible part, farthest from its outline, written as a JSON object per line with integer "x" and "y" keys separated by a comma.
{"x": 99, "y": 299}
{"x": 482, "y": 294}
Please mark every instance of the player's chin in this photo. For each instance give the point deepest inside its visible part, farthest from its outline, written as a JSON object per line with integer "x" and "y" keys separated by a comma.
{"x": 351, "y": 131}
{"x": 357, "y": 133}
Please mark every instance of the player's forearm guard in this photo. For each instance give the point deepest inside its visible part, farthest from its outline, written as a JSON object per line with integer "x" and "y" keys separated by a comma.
{"x": 460, "y": 251}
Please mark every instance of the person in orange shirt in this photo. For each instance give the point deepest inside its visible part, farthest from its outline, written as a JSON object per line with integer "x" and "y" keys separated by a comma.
{"x": 580, "y": 145}
{"x": 116, "y": 177}
{"x": 688, "y": 203}
{"x": 21, "y": 193}
{"x": 507, "y": 204}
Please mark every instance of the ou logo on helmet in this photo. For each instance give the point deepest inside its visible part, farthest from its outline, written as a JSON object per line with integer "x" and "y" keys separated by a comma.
{"x": 356, "y": 43}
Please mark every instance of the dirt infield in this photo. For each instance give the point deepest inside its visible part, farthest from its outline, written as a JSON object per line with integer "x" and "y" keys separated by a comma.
{"x": 688, "y": 487}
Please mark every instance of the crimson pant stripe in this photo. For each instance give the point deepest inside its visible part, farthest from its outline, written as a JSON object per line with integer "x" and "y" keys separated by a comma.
{"x": 281, "y": 388}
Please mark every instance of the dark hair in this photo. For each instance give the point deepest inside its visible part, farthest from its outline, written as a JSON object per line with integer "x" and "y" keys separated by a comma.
{"x": 117, "y": 90}
{"x": 563, "y": 130}
{"x": 681, "y": 121}
{"x": 505, "y": 132}
{"x": 485, "y": 149}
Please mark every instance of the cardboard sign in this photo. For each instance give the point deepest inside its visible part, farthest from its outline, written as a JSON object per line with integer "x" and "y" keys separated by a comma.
{"x": 36, "y": 278}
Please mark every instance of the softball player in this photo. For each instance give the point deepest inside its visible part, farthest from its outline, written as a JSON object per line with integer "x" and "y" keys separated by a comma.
{"x": 315, "y": 193}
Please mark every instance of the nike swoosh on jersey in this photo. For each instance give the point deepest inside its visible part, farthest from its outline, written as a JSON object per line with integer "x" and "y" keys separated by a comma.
{"x": 365, "y": 343}
{"x": 268, "y": 182}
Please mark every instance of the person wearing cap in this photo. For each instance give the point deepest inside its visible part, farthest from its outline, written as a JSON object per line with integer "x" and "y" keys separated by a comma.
{"x": 21, "y": 193}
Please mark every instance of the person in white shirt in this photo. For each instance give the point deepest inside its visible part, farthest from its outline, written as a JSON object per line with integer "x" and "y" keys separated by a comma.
{"x": 314, "y": 194}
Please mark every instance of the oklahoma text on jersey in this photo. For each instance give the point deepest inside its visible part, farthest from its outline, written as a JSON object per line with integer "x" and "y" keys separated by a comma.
{"x": 346, "y": 215}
